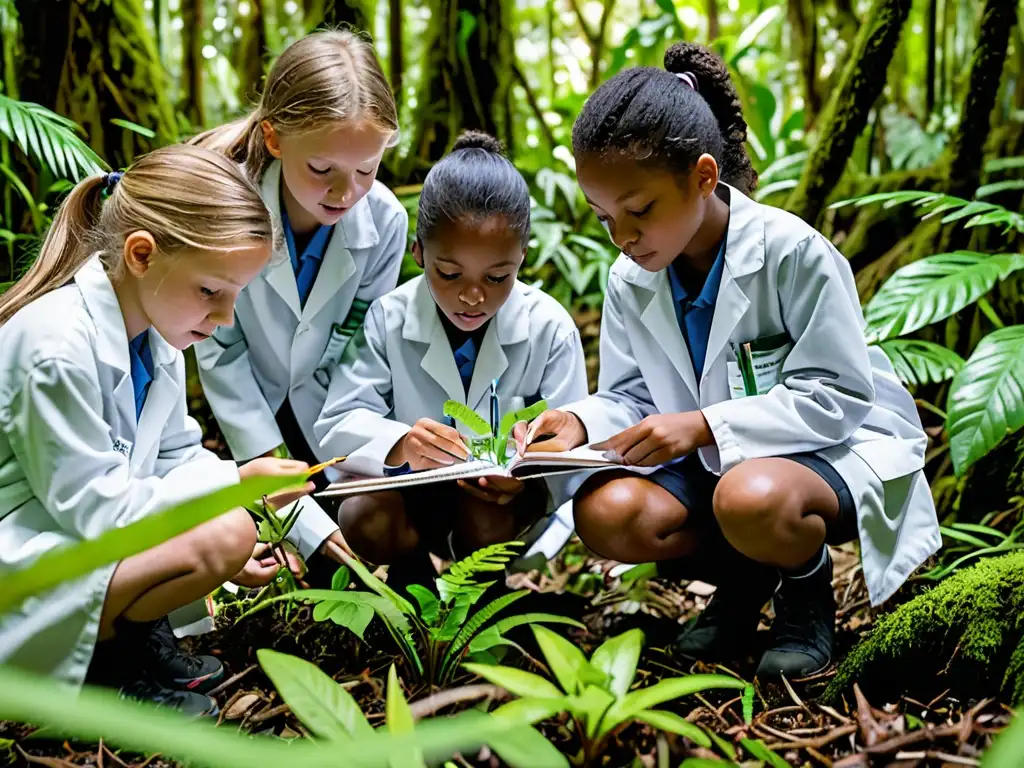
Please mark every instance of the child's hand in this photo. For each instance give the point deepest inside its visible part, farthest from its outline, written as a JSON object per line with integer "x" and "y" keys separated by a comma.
{"x": 660, "y": 439}
{"x": 262, "y": 567}
{"x": 428, "y": 445}
{"x": 495, "y": 489}
{"x": 560, "y": 430}
{"x": 266, "y": 466}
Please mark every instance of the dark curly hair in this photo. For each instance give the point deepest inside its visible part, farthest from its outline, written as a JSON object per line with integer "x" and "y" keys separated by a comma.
{"x": 475, "y": 181}
{"x": 660, "y": 120}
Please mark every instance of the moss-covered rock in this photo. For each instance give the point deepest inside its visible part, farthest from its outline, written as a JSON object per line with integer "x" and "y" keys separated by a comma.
{"x": 966, "y": 634}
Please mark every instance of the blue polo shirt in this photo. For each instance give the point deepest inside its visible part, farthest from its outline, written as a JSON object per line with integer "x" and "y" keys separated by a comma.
{"x": 306, "y": 264}
{"x": 695, "y": 314}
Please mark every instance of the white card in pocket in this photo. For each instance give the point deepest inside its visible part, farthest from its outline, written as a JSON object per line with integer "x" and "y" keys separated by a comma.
{"x": 758, "y": 366}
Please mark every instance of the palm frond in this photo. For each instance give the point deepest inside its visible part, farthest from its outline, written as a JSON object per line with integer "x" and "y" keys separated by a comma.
{"x": 919, "y": 362}
{"x": 49, "y": 139}
{"x": 977, "y": 212}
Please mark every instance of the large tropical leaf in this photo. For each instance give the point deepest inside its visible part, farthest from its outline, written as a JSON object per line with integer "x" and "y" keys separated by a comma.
{"x": 976, "y": 212}
{"x": 323, "y": 706}
{"x": 399, "y": 720}
{"x": 986, "y": 399}
{"x": 1008, "y": 746}
{"x": 919, "y": 362}
{"x": 495, "y": 634}
{"x": 934, "y": 288}
{"x": 51, "y": 140}
{"x": 101, "y": 714}
{"x": 67, "y": 563}
{"x": 517, "y": 681}
{"x": 617, "y": 657}
{"x": 633, "y": 703}
{"x": 673, "y": 723}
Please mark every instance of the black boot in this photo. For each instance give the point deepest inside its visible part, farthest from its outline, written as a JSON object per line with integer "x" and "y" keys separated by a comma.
{"x": 803, "y": 633}
{"x": 179, "y": 670}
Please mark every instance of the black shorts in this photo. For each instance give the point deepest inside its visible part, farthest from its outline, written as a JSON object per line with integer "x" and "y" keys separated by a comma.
{"x": 694, "y": 486}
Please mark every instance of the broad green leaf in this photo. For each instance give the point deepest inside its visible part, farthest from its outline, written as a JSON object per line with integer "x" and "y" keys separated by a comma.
{"x": 399, "y": 721}
{"x": 341, "y": 578}
{"x": 590, "y": 706}
{"x": 986, "y": 399}
{"x": 466, "y": 415}
{"x": 354, "y": 616}
{"x": 983, "y": 530}
{"x": 667, "y": 690}
{"x": 952, "y": 533}
{"x": 494, "y": 634}
{"x": 673, "y": 723}
{"x": 134, "y": 128}
{"x": 5, "y": 286}
{"x": 455, "y": 620}
{"x": 531, "y": 709}
{"x": 1007, "y": 747}
{"x": 757, "y": 749}
{"x": 100, "y": 714}
{"x": 427, "y": 601}
{"x": 323, "y": 706}
{"x": 998, "y": 186}
{"x": 750, "y": 34}
{"x": 526, "y": 748}
{"x": 525, "y": 684}
{"x": 934, "y": 288}
{"x": 1004, "y": 164}
{"x": 617, "y": 657}
{"x": 378, "y": 586}
{"x": 919, "y": 362}
{"x": 67, "y": 563}
{"x": 567, "y": 662}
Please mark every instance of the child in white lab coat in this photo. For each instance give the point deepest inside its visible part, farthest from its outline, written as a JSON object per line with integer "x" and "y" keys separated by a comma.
{"x": 313, "y": 144}
{"x": 449, "y": 334}
{"x": 94, "y": 432}
{"x": 732, "y": 357}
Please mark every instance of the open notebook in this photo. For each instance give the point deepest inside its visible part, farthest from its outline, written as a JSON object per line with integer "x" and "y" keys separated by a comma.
{"x": 534, "y": 464}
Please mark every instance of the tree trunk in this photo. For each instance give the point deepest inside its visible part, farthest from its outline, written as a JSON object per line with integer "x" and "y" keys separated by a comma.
{"x": 250, "y": 55}
{"x": 340, "y": 12}
{"x": 44, "y": 45}
{"x": 930, "y": 51}
{"x": 712, "y": 12}
{"x": 803, "y": 23}
{"x": 396, "y": 48}
{"x": 112, "y": 71}
{"x": 847, "y": 111}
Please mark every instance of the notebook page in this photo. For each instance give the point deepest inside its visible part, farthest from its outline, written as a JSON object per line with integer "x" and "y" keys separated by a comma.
{"x": 461, "y": 471}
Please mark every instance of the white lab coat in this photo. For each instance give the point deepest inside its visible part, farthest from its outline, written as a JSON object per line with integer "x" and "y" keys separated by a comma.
{"x": 277, "y": 349}
{"x": 835, "y": 395}
{"x": 73, "y": 463}
{"x": 401, "y": 368}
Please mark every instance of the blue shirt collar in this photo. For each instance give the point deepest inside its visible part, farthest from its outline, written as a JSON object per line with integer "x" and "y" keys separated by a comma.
{"x": 709, "y": 293}
{"x": 316, "y": 246}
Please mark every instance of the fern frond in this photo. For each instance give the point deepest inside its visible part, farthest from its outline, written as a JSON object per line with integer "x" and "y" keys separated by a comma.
{"x": 476, "y": 623}
{"x": 462, "y": 577}
{"x": 49, "y": 139}
{"x": 977, "y": 212}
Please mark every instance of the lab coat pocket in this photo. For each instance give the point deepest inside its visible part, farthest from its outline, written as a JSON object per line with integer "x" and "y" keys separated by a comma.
{"x": 756, "y": 366}
{"x": 339, "y": 338}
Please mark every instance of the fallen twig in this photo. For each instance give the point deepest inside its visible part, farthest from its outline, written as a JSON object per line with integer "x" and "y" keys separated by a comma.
{"x": 933, "y": 755}
{"x": 928, "y": 733}
{"x": 232, "y": 680}
{"x": 266, "y": 714}
{"x": 438, "y": 701}
{"x": 50, "y": 762}
{"x": 818, "y": 743}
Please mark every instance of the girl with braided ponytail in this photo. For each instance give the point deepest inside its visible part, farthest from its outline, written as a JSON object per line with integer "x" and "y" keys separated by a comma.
{"x": 734, "y": 373}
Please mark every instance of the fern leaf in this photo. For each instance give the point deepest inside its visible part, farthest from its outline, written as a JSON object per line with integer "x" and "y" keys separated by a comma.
{"x": 49, "y": 139}
{"x": 980, "y": 212}
{"x": 466, "y": 415}
{"x": 475, "y": 624}
{"x": 462, "y": 577}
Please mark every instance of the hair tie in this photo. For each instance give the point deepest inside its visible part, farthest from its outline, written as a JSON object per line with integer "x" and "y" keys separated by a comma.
{"x": 110, "y": 181}
{"x": 689, "y": 78}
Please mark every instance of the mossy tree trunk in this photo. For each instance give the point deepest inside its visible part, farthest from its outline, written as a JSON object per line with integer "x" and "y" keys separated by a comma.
{"x": 846, "y": 113}
{"x": 804, "y": 28}
{"x": 250, "y": 51}
{"x": 468, "y": 67}
{"x": 112, "y": 71}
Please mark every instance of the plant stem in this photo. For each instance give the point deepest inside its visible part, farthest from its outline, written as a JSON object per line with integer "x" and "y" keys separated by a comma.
{"x": 990, "y": 313}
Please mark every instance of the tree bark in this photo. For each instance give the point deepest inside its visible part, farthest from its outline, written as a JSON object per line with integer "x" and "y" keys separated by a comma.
{"x": 45, "y": 43}
{"x": 803, "y": 23}
{"x": 396, "y": 50}
{"x": 250, "y": 52}
{"x": 712, "y": 12}
{"x": 930, "y": 51}
{"x": 847, "y": 111}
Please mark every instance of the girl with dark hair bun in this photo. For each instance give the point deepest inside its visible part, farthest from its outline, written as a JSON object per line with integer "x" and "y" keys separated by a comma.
{"x": 447, "y": 335}
{"x": 733, "y": 360}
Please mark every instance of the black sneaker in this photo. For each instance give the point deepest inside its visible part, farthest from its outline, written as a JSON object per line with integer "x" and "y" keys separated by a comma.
{"x": 803, "y": 633}
{"x": 724, "y": 630}
{"x": 176, "y": 669}
{"x": 188, "y": 703}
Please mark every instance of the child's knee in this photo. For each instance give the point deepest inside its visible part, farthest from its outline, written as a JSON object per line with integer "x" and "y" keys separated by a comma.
{"x": 605, "y": 514}
{"x": 226, "y": 544}
{"x": 376, "y": 527}
{"x": 751, "y": 498}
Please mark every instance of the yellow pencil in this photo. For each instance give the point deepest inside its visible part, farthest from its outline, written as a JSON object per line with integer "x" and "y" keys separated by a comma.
{"x": 326, "y": 464}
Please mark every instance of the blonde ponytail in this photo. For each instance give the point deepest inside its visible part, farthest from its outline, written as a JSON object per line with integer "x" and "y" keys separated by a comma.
{"x": 187, "y": 198}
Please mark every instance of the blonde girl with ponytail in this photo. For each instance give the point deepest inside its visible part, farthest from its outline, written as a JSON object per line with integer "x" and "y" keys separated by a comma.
{"x": 313, "y": 144}
{"x": 94, "y": 432}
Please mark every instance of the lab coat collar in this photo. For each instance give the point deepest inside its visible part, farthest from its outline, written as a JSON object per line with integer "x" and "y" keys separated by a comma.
{"x": 356, "y": 229}
{"x": 422, "y": 324}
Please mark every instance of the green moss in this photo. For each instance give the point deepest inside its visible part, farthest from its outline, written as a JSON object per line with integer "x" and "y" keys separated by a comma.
{"x": 967, "y": 631}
